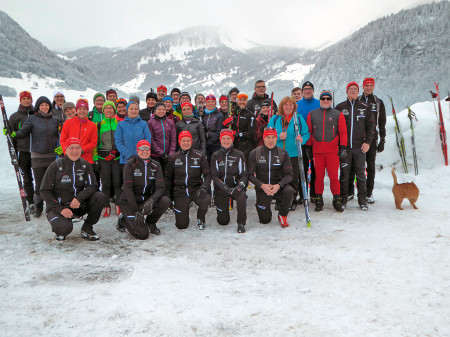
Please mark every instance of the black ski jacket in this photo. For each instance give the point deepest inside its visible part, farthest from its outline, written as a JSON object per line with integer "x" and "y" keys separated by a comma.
{"x": 378, "y": 110}
{"x": 44, "y": 130}
{"x": 66, "y": 179}
{"x": 269, "y": 166}
{"x": 195, "y": 127}
{"x": 255, "y": 104}
{"x": 142, "y": 180}
{"x": 213, "y": 123}
{"x": 146, "y": 113}
{"x": 244, "y": 124}
{"x": 228, "y": 167}
{"x": 16, "y": 121}
{"x": 187, "y": 172}
{"x": 360, "y": 122}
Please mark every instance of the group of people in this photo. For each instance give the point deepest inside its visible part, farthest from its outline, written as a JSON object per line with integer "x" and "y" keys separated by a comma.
{"x": 146, "y": 161}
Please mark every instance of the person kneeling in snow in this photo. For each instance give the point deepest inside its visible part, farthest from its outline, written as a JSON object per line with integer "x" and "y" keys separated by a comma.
{"x": 69, "y": 189}
{"x": 229, "y": 173}
{"x": 270, "y": 169}
{"x": 142, "y": 195}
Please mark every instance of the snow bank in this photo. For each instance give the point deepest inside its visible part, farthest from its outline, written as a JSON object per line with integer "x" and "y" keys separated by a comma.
{"x": 383, "y": 272}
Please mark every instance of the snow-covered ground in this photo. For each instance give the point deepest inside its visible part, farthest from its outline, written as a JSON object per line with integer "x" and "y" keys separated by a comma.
{"x": 383, "y": 272}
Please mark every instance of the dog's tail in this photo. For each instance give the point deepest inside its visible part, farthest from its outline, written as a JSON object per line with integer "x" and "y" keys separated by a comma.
{"x": 395, "y": 177}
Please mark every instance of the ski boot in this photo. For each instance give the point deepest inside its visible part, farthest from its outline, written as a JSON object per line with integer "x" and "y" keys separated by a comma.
{"x": 318, "y": 203}
{"x": 283, "y": 221}
{"x": 153, "y": 229}
{"x": 60, "y": 238}
{"x": 107, "y": 212}
{"x": 337, "y": 203}
{"x": 364, "y": 207}
{"x": 38, "y": 209}
{"x": 370, "y": 199}
{"x": 241, "y": 228}
{"x": 87, "y": 232}
{"x": 120, "y": 221}
{"x": 200, "y": 224}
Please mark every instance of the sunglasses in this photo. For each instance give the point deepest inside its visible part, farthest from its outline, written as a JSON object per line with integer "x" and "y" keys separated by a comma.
{"x": 270, "y": 129}
{"x": 327, "y": 98}
{"x": 82, "y": 99}
{"x": 144, "y": 148}
{"x": 121, "y": 100}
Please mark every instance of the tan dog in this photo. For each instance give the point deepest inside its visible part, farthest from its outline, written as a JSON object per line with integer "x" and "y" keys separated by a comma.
{"x": 406, "y": 190}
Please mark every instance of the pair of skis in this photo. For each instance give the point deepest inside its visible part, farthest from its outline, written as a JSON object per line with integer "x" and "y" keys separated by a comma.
{"x": 399, "y": 139}
{"x": 411, "y": 116}
{"x": 14, "y": 160}
{"x": 442, "y": 132}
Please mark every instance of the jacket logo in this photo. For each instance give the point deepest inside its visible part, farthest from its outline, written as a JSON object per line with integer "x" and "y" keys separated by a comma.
{"x": 361, "y": 111}
{"x": 66, "y": 179}
{"x": 178, "y": 162}
{"x": 137, "y": 173}
{"x": 195, "y": 161}
{"x": 345, "y": 112}
{"x": 374, "y": 106}
{"x": 262, "y": 160}
{"x": 222, "y": 163}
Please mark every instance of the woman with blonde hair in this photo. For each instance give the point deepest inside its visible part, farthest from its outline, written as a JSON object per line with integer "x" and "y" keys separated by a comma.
{"x": 284, "y": 123}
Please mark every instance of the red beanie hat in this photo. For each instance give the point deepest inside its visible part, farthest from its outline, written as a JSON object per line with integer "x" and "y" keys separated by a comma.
{"x": 162, "y": 87}
{"x": 71, "y": 141}
{"x": 210, "y": 97}
{"x": 82, "y": 103}
{"x": 368, "y": 80}
{"x": 143, "y": 142}
{"x": 227, "y": 132}
{"x": 184, "y": 134}
{"x": 189, "y": 104}
{"x": 270, "y": 132}
{"x": 223, "y": 98}
{"x": 352, "y": 83}
{"x": 25, "y": 94}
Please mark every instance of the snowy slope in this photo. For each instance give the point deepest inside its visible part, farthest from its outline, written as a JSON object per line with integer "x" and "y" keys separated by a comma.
{"x": 383, "y": 272}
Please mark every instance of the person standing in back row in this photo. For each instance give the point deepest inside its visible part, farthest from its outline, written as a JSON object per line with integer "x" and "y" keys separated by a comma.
{"x": 379, "y": 115}
{"x": 360, "y": 129}
{"x": 305, "y": 105}
{"x": 255, "y": 104}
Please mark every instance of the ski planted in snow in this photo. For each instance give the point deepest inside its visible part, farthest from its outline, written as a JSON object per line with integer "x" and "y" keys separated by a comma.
{"x": 442, "y": 127}
{"x": 399, "y": 139}
{"x": 271, "y": 106}
{"x": 412, "y": 115}
{"x": 302, "y": 171}
{"x": 14, "y": 161}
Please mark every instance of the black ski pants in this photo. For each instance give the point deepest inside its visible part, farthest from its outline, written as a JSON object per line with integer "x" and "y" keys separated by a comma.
{"x": 222, "y": 201}
{"x": 182, "y": 205}
{"x": 92, "y": 207}
{"x": 284, "y": 198}
{"x": 359, "y": 160}
{"x": 140, "y": 229}
{"x": 370, "y": 168}
{"x": 24, "y": 161}
{"x": 110, "y": 175}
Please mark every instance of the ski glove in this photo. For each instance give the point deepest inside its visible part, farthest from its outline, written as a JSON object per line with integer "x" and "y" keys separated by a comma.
{"x": 164, "y": 156}
{"x": 5, "y": 132}
{"x": 59, "y": 150}
{"x": 380, "y": 147}
{"x": 309, "y": 152}
{"x": 342, "y": 151}
{"x": 228, "y": 189}
{"x": 237, "y": 190}
{"x": 202, "y": 193}
{"x": 228, "y": 121}
{"x": 147, "y": 207}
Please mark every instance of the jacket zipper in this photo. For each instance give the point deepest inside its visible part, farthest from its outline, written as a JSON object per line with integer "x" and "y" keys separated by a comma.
{"x": 270, "y": 162}
{"x": 73, "y": 179}
{"x": 351, "y": 128}
{"x": 145, "y": 178}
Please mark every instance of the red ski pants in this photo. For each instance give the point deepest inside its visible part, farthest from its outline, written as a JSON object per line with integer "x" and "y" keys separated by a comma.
{"x": 330, "y": 161}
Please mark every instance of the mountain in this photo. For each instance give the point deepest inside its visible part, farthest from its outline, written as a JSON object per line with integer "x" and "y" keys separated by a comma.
{"x": 20, "y": 53}
{"x": 405, "y": 52}
{"x": 197, "y": 59}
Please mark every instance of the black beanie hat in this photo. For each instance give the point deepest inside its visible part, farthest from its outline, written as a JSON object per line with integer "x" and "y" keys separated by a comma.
{"x": 308, "y": 84}
{"x": 185, "y": 93}
{"x": 151, "y": 94}
{"x": 236, "y": 90}
{"x": 157, "y": 105}
{"x": 175, "y": 90}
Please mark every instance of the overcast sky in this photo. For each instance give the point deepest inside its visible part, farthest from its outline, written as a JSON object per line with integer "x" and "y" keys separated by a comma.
{"x": 62, "y": 25}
